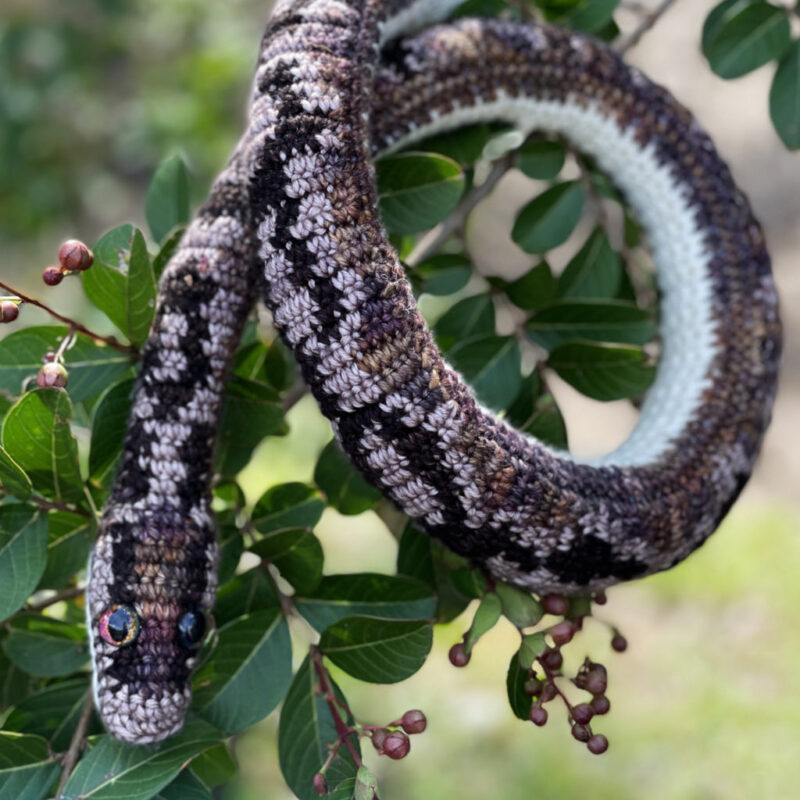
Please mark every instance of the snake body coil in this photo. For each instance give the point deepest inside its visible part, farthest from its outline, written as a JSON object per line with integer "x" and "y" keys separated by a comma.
{"x": 296, "y": 212}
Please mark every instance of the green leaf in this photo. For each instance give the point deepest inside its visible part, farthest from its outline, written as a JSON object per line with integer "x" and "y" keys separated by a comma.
{"x": 167, "y": 203}
{"x": 594, "y": 272}
{"x": 287, "y": 505}
{"x": 13, "y": 479}
{"x": 186, "y": 786}
{"x": 378, "y": 650}
{"x": 342, "y": 483}
{"x": 590, "y": 319}
{"x": 248, "y": 415}
{"x": 140, "y": 297}
{"x": 15, "y": 685}
{"x": 464, "y": 145}
{"x": 215, "y": 766}
{"x": 492, "y": 366}
{"x": 592, "y": 15}
{"x": 533, "y": 645}
{"x": 486, "y": 617}
{"x": 536, "y": 413}
{"x": 519, "y": 700}
{"x": 305, "y": 732}
{"x": 747, "y": 39}
{"x": 414, "y": 556}
{"x": 112, "y": 770}
{"x": 109, "y": 422}
{"x": 720, "y": 15}
{"x": 298, "y": 555}
{"x": 37, "y": 435}
{"x": 45, "y": 647}
{"x": 27, "y": 768}
{"x": 167, "y": 251}
{"x": 470, "y": 317}
{"x": 367, "y": 594}
{"x": 469, "y": 582}
{"x": 91, "y": 366}
{"x": 69, "y": 540}
{"x": 417, "y": 190}
{"x": 53, "y": 713}
{"x": 23, "y": 555}
{"x": 344, "y": 790}
{"x": 231, "y": 544}
{"x": 784, "y": 98}
{"x": 518, "y": 606}
{"x": 603, "y": 372}
{"x": 541, "y": 159}
{"x": 248, "y": 674}
{"x": 549, "y": 220}
{"x": 106, "y": 283}
{"x": 442, "y": 274}
{"x": 534, "y": 289}
{"x": 244, "y": 594}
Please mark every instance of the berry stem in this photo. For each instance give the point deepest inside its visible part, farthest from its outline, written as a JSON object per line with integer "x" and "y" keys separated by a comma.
{"x": 75, "y": 325}
{"x": 325, "y": 684}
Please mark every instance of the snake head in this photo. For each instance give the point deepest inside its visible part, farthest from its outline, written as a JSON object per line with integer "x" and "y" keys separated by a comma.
{"x": 149, "y": 596}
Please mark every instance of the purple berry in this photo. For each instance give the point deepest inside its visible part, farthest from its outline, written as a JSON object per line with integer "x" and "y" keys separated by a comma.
{"x": 9, "y": 311}
{"x": 414, "y": 721}
{"x": 553, "y": 660}
{"x": 582, "y": 713}
{"x": 555, "y": 604}
{"x": 600, "y": 704}
{"x": 320, "y": 784}
{"x": 396, "y": 745}
{"x": 581, "y": 733}
{"x": 533, "y": 686}
{"x": 538, "y": 716}
{"x": 619, "y": 643}
{"x": 597, "y": 744}
{"x": 596, "y": 682}
{"x": 52, "y": 375}
{"x": 563, "y": 632}
{"x": 52, "y": 276}
{"x": 459, "y": 657}
{"x": 75, "y": 256}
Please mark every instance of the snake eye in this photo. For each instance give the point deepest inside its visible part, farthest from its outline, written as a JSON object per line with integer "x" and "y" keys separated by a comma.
{"x": 119, "y": 625}
{"x": 191, "y": 628}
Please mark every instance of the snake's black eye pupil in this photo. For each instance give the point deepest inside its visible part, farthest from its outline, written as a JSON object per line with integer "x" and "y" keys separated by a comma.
{"x": 191, "y": 628}
{"x": 119, "y": 624}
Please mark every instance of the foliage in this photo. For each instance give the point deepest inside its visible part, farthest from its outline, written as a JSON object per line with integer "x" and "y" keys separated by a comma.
{"x": 588, "y": 319}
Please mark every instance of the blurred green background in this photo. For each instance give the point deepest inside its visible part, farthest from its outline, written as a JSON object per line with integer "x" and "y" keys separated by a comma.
{"x": 706, "y": 703}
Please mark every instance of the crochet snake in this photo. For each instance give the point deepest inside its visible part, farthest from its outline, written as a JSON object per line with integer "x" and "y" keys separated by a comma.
{"x": 294, "y": 216}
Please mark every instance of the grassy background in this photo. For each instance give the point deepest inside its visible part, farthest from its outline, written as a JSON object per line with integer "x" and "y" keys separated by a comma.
{"x": 706, "y": 703}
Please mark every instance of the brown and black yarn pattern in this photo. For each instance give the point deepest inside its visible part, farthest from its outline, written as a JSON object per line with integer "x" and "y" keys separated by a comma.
{"x": 296, "y": 212}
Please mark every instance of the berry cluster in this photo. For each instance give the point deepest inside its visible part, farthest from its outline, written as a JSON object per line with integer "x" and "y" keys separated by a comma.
{"x": 389, "y": 740}
{"x": 73, "y": 256}
{"x": 546, "y": 662}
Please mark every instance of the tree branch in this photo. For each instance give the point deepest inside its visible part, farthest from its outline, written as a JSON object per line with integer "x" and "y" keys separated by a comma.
{"x": 74, "y": 325}
{"x": 644, "y": 26}
{"x": 64, "y": 594}
{"x": 76, "y": 745}
{"x": 432, "y": 241}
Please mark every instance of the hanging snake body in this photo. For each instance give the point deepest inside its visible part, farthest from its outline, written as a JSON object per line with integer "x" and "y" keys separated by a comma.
{"x": 294, "y": 216}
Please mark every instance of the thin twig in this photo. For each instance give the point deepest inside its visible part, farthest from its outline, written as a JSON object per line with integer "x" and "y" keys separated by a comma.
{"x": 109, "y": 340}
{"x": 54, "y": 505}
{"x": 76, "y": 745}
{"x": 295, "y": 394}
{"x": 644, "y": 26}
{"x": 344, "y": 732}
{"x": 64, "y": 594}
{"x": 431, "y": 242}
